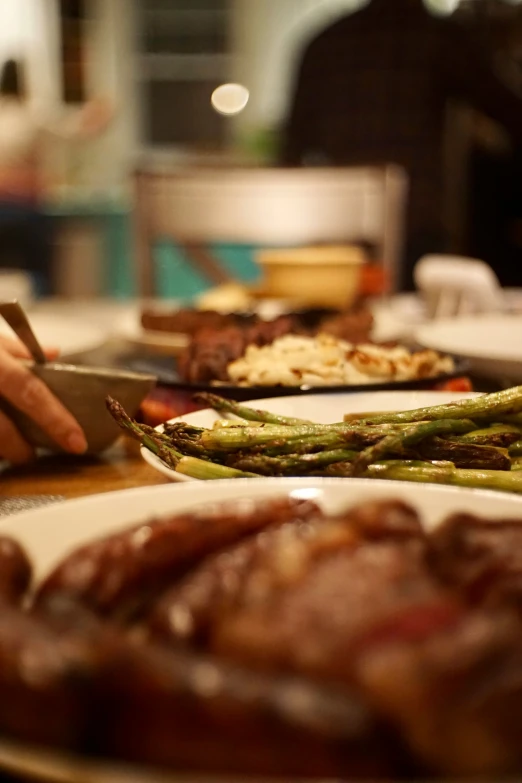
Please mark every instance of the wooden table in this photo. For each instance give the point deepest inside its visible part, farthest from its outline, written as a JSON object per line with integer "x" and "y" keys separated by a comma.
{"x": 121, "y": 467}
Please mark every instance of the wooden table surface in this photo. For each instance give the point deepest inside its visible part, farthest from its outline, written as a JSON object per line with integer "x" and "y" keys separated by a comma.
{"x": 121, "y": 467}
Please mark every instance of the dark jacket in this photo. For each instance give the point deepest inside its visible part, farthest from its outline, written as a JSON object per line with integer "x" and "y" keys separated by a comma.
{"x": 374, "y": 88}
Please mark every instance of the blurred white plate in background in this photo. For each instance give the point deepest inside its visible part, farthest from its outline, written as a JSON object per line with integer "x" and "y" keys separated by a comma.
{"x": 492, "y": 344}
{"x": 396, "y": 317}
{"x": 71, "y": 335}
{"x": 18, "y": 285}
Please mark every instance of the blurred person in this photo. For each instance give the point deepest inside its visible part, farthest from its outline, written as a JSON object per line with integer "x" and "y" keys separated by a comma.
{"x": 374, "y": 88}
{"x": 25, "y": 238}
{"x": 29, "y": 394}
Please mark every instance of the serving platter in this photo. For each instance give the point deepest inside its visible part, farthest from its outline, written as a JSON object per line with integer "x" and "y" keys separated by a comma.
{"x": 317, "y": 408}
{"x": 48, "y": 535}
{"x": 165, "y": 370}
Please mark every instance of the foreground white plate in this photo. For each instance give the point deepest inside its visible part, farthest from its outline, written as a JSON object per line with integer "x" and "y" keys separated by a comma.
{"x": 320, "y": 408}
{"x": 491, "y": 343}
{"x": 49, "y": 533}
{"x": 68, "y": 333}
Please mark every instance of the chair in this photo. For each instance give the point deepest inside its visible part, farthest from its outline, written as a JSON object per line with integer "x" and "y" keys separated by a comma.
{"x": 195, "y": 207}
{"x": 454, "y": 285}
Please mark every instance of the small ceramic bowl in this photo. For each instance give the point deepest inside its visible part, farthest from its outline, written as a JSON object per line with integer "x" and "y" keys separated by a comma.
{"x": 83, "y": 391}
{"x": 312, "y": 276}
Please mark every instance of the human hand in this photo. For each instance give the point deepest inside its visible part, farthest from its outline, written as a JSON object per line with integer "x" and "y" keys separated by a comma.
{"x": 29, "y": 394}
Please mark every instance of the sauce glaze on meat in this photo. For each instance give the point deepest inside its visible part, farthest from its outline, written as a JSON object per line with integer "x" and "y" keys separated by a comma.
{"x": 274, "y": 640}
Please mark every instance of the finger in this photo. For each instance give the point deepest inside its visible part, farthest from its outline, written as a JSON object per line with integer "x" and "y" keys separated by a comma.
{"x": 12, "y": 446}
{"x": 51, "y": 353}
{"x": 29, "y": 394}
{"x": 14, "y": 347}
{"x": 18, "y": 349}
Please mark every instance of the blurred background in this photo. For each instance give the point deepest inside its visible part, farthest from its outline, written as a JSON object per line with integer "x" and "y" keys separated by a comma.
{"x": 212, "y": 87}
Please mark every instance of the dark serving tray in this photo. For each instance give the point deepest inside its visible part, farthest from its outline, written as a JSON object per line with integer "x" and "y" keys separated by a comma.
{"x": 164, "y": 367}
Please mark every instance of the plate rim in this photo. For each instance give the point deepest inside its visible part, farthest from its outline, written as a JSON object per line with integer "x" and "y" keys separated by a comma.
{"x": 67, "y": 323}
{"x": 468, "y": 354}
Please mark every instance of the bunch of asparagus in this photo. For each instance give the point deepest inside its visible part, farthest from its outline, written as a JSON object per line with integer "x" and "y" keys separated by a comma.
{"x": 473, "y": 443}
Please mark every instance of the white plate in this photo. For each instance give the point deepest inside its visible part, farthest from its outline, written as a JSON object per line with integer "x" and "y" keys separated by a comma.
{"x": 48, "y": 535}
{"x": 117, "y": 318}
{"x": 396, "y": 317}
{"x": 127, "y": 325}
{"x": 491, "y": 343}
{"x": 70, "y": 334}
{"x": 129, "y": 328}
{"x": 320, "y": 408}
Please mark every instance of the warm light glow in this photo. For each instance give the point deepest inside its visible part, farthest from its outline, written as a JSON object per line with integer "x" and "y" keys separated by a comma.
{"x": 442, "y": 7}
{"x": 230, "y": 98}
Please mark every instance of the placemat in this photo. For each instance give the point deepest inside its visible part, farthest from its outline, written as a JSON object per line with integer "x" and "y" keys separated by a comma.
{"x": 17, "y": 503}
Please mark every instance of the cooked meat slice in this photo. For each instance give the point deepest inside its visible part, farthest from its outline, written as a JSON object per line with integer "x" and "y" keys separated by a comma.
{"x": 210, "y": 352}
{"x": 264, "y": 603}
{"x": 190, "y": 609}
{"x": 178, "y": 709}
{"x": 68, "y": 681}
{"x": 308, "y": 608}
{"x": 481, "y": 557}
{"x": 187, "y": 321}
{"x": 118, "y": 574}
{"x": 457, "y": 694}
{"x": 383, "y": 519}
{"x": 47, "y": 666}
{"x": 15, "y": 571}
{"x": 355, "y": 327}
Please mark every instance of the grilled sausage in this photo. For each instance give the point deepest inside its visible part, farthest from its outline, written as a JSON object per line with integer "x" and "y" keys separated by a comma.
{"x": 482, "y": 558}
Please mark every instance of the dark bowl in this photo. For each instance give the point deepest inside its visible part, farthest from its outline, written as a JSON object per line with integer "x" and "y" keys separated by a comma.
{"x": 83, "y": 391}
